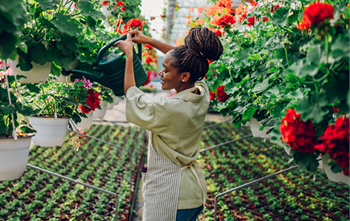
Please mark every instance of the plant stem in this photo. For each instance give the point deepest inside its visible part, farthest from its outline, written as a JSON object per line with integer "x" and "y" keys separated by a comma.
{"x": 326, "y": 39}
{"x": 315, "y": 83}
{"x": 285, "y": 49}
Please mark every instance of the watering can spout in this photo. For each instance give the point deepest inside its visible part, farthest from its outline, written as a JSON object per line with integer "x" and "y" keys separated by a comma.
{"x": 87, "y": 75}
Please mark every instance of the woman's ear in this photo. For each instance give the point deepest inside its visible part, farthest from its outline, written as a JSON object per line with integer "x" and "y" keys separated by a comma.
{"x": 185, "y": 76}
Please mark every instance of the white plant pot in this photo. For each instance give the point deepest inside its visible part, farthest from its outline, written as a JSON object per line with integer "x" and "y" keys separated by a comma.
{"x": 101, "y": 113}
{"x": 72, "y": 65}
{"x": 110, "y": 106}
{"x": 37, "y": 74}
{"x": 286, "y": 148}
{"x": 86, "y": 123}
{"x": 13, "y": 157}
{"x": 117, "y": 100}
{"x": 335, "y": 177}
{"x": 254, "y": 128}
{"x": 51, "y": 132}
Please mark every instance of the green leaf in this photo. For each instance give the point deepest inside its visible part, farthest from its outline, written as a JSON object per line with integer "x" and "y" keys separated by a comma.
{"x": 279, "y": 16}
{"x": 48, "y": 4}
{"x": 87, "y": 9}
{"x": 36, "y": 53}
{"x": 306, "y": 161}
{"x": 254, "y": 57}
{"x": 308, "y": 69}
{"x": 66, "y": 25}
{"x": 248, "y": 113}
{"x": 297, "y": 94}
{"x": 260, "y": 87}
{"x": 312, "y": 108}
{"x": 67, "y": 44}
{"x": 335, "y": 168}
{"x": 316, "y": 56}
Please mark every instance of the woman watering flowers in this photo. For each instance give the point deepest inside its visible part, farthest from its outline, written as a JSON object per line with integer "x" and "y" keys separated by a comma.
{"x": 174, "y": 187}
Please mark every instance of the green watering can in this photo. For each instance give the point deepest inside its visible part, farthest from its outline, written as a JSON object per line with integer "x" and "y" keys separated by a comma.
{"x": 112, "y": 68}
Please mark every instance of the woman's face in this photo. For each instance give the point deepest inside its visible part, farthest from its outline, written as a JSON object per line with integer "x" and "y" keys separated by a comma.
{"x": 170, "y": 78}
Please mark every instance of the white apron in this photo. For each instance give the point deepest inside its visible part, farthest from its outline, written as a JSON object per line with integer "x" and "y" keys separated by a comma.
{"x": 161, "y": 187}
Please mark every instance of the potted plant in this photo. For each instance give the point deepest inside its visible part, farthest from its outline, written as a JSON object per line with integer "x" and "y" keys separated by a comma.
{"x": 51, "y": 36}
{"x": 56, "y": 103}
{"x": 15, "y": 136}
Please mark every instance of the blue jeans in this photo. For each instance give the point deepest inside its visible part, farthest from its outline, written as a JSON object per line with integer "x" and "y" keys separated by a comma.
{"x": 188, "y": 214}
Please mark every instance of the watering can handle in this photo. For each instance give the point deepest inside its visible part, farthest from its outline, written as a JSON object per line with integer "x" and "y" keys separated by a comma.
{"x": 110, "y": 44}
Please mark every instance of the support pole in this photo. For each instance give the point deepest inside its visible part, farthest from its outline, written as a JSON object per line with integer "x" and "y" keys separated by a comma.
{"x": 228, "y": 142}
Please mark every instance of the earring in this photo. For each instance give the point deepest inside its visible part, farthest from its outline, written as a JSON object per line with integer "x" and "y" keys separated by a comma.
{"x": 183, "y": 80}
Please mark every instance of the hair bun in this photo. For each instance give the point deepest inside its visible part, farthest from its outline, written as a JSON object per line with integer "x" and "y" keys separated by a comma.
{"x": 204, "y": 43}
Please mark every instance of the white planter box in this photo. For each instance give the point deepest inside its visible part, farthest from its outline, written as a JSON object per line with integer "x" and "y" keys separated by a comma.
{"x": 51, "y": 132}
{"x": 86, "y": 123}
{"x": 38, "y": 74}
{"x": 335, "y": 177}
{"x": 254, "y": 127}
{"x": 101, "y": 113}
{"x": 13, "y": 157}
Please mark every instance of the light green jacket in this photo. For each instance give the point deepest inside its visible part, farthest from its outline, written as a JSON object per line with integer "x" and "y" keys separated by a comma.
{"x": 176, "y": 124}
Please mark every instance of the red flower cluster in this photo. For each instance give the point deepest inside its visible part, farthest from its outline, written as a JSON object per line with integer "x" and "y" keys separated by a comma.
{"x": 251, "y": 21}
{"x": 212, "y": 95}
{"x": 299, "y": 135}
{"x": 315, "y": 14}
{"x": 254, "y": 3}
{"x": 222, "y": 96}
{"x": 336, "y": 142}
{"x": 104, "y": 3}
{"x": 133, "y": 24}
{"x": 148, "y": 79}
{"x": 92, "y": 101}
{"x": 243, "y": 16}
{"x": 148, "y": 46}
{"x": 148, "y": 60}
{"x": 274, "y": 8}
{"x": 120, "y": 3}
{"x": 265, "y": 19}
{"x": 226, "y": 20}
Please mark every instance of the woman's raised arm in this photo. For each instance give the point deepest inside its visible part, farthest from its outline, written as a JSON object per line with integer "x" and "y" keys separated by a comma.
{"x": 140, "y": 38}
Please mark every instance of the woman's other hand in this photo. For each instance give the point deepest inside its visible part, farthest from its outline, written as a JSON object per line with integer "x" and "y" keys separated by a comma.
{"x": 125, "y": 46}
{"x": 138, "y": 38}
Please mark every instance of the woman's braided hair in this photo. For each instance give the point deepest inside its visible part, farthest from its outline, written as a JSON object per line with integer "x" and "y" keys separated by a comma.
{"x": 201, "y": 45}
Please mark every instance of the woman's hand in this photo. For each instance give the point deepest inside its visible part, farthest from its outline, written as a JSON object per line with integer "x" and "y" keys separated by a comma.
{"x": 138, "y": 38}
{"x": 125, "y": 46}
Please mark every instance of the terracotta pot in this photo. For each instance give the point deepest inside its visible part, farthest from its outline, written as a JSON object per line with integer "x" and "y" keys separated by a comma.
{"x": 38, "y": 74}
{"x": 101, "y": 113}
{"x": 335, "y": 177}
{"x": 13, "y": 157}
{"x": 51, "y": 132}
{"x": 254, "y": 128}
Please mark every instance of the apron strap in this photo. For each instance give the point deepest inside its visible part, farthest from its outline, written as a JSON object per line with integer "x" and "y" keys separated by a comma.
{"x": 195, "y": 174}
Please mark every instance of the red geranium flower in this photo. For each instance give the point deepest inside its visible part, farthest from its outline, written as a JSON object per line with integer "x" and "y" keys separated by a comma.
{"x": 315, "y": 14}
{"x": 148, "y": 46}
{"x": 274, "y": 8}
{"x": 120, "y": 3}
{"x": 133, "y": 24}
{"x": 222, "y": 96}
{"x": 148, "y": 60}
{"x": 209, "y": 61}
{"x": 336, "y": 142}
{"x": 299, "y": 135}
{"x": 212, "y": 95}
{"x": 254, "y": 3}
{"x": 226, "y": 20}
{"x": 265, "y": 19}
{"x": 251, "y": 21}
{"x": 104, "y": 3}
{"x": 92, "y": 101}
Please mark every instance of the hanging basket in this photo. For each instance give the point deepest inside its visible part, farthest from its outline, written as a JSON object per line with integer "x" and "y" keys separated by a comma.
{"x": 101, "y": 113}
{"x": 254, "y": 127}
{"x": 13, "y": 157}
{"x": 335, "y": 177}
{"x": 85, "y": 123}
{"x": 51, "y": 132}
{"x": 110, "y": 106}
{"x": 38, "y": 74}
{"x": 117, "y": 100}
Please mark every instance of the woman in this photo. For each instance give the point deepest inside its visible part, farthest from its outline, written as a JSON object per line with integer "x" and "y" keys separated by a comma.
{"x": 174, "y": 186}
